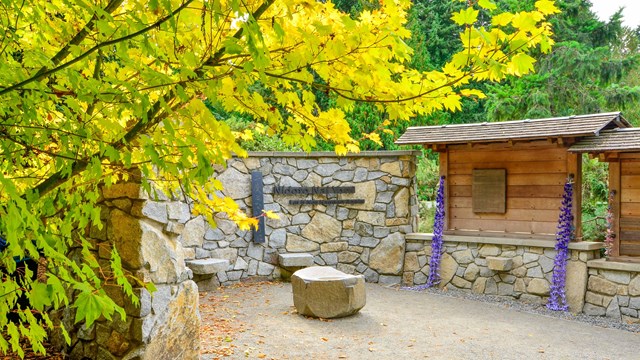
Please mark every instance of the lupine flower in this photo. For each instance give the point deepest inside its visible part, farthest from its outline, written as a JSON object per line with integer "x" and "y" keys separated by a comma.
{"x": 436, "y": 242}
{"x": 557, "y": 298}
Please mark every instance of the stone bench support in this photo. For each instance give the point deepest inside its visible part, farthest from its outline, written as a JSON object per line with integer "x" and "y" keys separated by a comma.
{"x": 204, "y": 271}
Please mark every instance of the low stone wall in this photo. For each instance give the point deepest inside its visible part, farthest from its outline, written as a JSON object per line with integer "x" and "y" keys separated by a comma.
{"x": 613, "y": 290}
{"x": 519, "y": 268}
{"x": 365, "y": 238}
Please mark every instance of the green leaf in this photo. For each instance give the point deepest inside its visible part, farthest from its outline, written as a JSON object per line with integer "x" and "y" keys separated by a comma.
{"x": 91, "y": 306}
{"x": 40, "y": 296}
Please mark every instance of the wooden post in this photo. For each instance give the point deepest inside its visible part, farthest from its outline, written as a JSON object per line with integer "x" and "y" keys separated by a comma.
{"x": 614, "y": 185}
{"x": 574, "y": 166}
{"x": 444, "y": 171}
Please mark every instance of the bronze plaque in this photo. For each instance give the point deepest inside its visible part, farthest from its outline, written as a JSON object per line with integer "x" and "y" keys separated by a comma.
{"x": 489, "y": 191}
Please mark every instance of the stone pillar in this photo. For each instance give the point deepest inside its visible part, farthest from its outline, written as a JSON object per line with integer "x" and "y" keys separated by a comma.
{"x": 166, "y": 325}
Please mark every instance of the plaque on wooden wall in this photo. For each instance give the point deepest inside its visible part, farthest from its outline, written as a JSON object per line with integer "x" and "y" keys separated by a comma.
{"x": 489, "y": 191}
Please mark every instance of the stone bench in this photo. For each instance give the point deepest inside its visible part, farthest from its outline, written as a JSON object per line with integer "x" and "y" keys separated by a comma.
{"x": 324, "y": 292}
{"x": 204, "y": 271}
{"x": 291, "y": 263}
{"x": 207, "y": 266}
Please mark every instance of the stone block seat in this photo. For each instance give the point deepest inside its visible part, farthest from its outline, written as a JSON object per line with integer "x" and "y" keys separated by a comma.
{"x": 291, "y": 263}
{"x": 207, "y": 266}
{"x": 324, "y": 292}
{"x": 204, "y": 271}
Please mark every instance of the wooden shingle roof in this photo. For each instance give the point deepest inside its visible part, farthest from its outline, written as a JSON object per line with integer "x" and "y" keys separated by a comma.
{"x": 559, "y": 127}
{"x": 617, "y": 140}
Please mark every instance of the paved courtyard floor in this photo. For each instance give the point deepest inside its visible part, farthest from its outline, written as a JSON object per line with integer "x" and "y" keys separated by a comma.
{"x": 258, "y": 321}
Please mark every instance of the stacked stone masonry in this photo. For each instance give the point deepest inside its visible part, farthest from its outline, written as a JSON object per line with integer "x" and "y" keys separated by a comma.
{"x": 165, "y": 325}
{"x": 613, "y": 293}
{"x": 365, "y": 239}
{"x": 521, "y": 272}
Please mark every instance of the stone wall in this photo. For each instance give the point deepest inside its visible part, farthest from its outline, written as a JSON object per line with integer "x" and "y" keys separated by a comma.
{"x": 363, "y": 238}
{"x": 166, "y": 325}
{"x": 613, "y": 290}
{"x": 519, "y": 268}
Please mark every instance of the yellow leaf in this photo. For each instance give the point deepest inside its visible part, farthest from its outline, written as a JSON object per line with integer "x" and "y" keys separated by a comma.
{"x": 547, "y": 7}
{"x": 472, "y": 92}
{"x": 526, "y": 21}
{"x": 465, "y": 17}
{"x": 501, "y": 19}
{"x": 487, "y": 4}
{"x": 452, "y": 102}
{"x": 521, "y": 64}
{"x": 270, "y": 214}
{"x": 340, "y": 150}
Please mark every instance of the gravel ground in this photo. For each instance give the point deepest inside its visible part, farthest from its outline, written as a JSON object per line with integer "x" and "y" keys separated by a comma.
{"x": 259, "y": 321}
{"x": 533, "y": 309}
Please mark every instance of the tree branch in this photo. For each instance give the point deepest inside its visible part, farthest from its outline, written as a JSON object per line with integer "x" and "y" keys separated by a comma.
{"x": 41, "y": 74}
{"x": 82, "y": 34}
{"x": 152, "y": 118}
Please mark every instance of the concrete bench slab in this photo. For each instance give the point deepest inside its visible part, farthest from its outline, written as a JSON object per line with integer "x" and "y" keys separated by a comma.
{"x": 324, "y": 292}
{"x": 208, "y": 266}
{"x": 295, "y": 260}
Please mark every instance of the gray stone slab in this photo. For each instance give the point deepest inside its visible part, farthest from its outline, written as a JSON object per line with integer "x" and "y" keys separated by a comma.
{"x": 295, "y": 260}
{"x": 207, "y": 266}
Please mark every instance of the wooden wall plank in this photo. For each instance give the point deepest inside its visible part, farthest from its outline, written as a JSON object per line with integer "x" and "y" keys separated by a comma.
{"x": 521, "y": 191}
{"x": 630, "y": 195}
{"x": 511, "y": 214}
{"x": 629, "y": 249}
{"x": 513, "y": 167}
{"x": 517, "y": 179}
{"x": 480, "y": 156}
{"x": 630, "y": 209}
{"x": 627, "y": 236}
{"x": 629, "y": 167}
{"x": 630, "y": 182}
{"x": 630, "y": 222}
{"x": 515, "y": 203}
{"x": 535, "y": 191}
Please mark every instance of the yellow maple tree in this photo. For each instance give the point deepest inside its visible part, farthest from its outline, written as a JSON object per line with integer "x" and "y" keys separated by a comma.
{"x": 90, "y": 89}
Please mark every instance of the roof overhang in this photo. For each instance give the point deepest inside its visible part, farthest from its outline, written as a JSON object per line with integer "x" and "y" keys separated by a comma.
{"x": 509, "y": 131}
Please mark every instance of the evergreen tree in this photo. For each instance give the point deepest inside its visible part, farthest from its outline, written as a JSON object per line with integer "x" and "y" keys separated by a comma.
{"x": 587, "y": 71}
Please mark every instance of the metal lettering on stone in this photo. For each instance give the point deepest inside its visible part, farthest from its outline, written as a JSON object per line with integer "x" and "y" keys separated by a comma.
{"x": 317, "y": 190}
{"x": 257, "y": 204}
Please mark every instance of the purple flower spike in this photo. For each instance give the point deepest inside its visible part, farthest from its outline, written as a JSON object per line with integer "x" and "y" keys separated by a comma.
{"x": 436, "y": 242}
{"x": 557, "y": 298}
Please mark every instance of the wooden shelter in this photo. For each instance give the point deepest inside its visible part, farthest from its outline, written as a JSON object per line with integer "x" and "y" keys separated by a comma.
{"x": 507, "y": 178}
{"x": 621, "y": 149}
